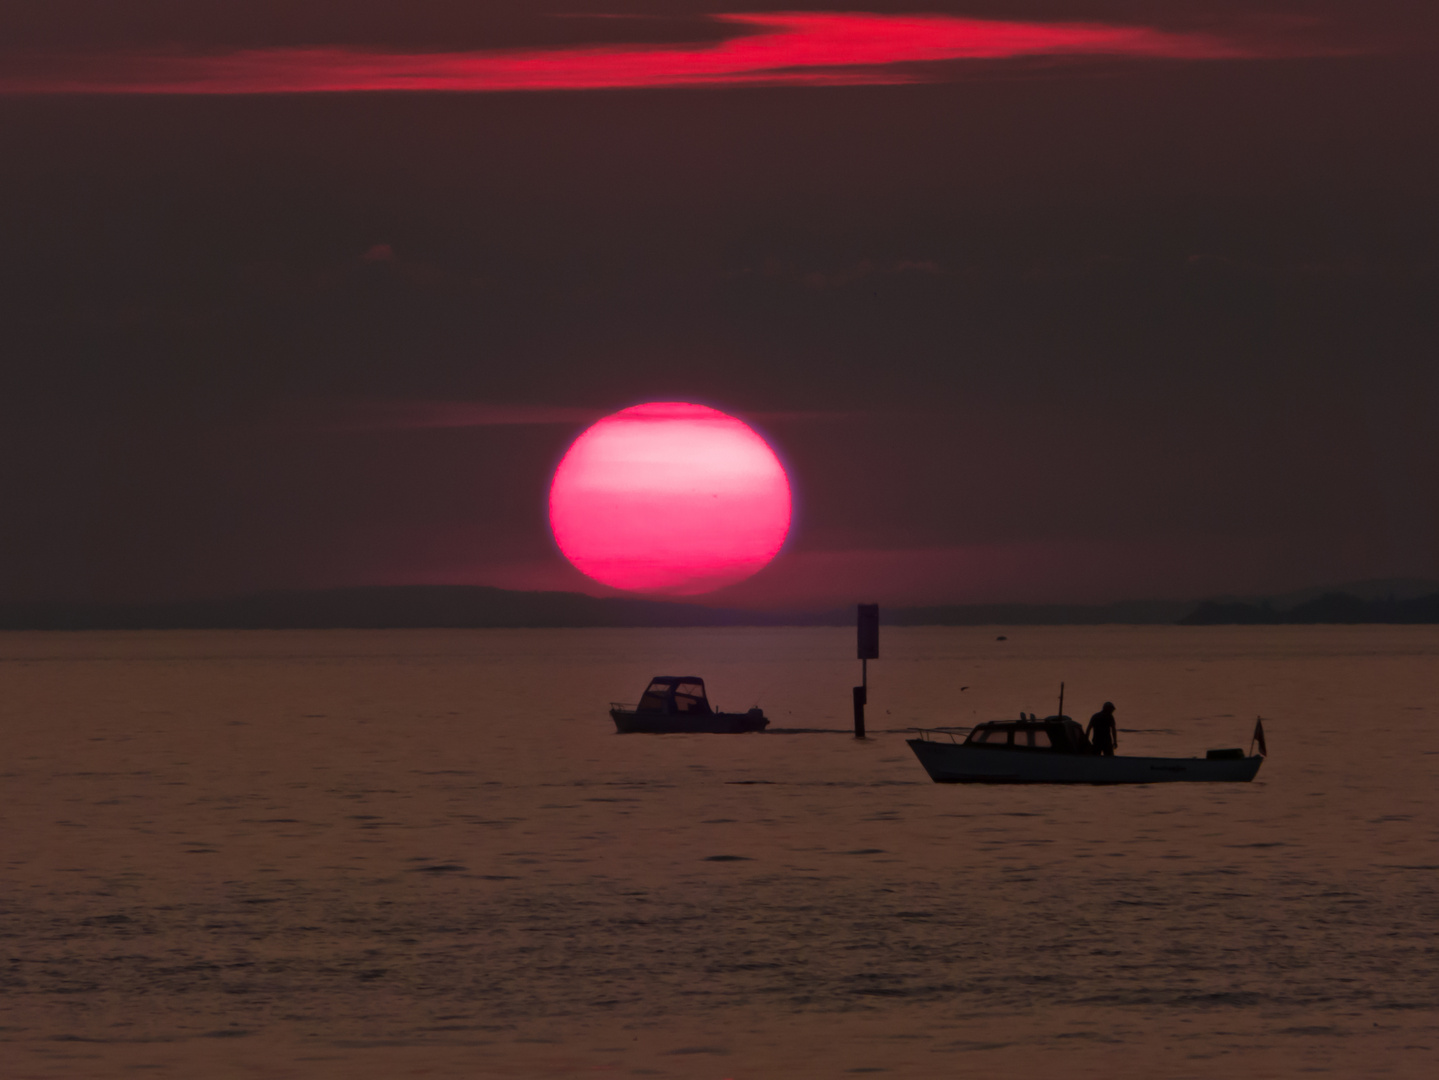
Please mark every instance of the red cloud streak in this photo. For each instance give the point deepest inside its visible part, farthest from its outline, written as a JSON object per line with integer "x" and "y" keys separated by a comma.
{"x": 815, "y": 49}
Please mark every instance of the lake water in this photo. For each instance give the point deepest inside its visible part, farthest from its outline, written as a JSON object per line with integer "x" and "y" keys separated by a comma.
{"x": 382, "y": 854}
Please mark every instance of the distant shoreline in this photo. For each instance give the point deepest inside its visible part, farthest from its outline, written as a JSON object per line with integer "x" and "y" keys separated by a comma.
{"x": 480, "y": 607}
{"x": 1335, "y": 608}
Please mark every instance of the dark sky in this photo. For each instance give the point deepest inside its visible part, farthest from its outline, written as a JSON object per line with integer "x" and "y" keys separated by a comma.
{"x": 1048, "y": 327}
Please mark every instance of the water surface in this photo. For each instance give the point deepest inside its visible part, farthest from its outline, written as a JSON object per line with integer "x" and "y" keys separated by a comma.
{"x": 401, "y": 853}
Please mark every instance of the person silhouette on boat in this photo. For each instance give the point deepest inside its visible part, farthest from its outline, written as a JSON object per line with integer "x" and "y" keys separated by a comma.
{"x": 1102, "y": 730}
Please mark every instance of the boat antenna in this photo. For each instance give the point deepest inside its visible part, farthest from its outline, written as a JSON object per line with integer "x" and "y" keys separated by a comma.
{"x": 1061, "y": 700}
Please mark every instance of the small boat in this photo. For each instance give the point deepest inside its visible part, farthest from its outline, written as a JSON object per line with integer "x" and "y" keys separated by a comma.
{"x": 1055, "y": 750}
{"x": 677, "y": 703}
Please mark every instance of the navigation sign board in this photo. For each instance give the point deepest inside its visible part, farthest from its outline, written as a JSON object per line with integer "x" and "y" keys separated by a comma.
{"x": 869, "y": 631}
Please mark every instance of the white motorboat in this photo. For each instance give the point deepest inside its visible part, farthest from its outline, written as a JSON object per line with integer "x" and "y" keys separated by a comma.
{"x": 1055, "y": 750}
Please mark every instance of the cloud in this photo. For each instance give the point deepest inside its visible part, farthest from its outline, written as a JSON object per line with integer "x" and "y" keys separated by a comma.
{"x": 786, "y": 48}
{"x": 377, "y": 415}
{"x": 793, "y": 416}
{"x": 839, "y": 274}
{"x": 420, "y": 415}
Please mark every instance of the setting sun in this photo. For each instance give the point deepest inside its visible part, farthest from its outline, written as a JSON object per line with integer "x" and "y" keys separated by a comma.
{"x": 669, "y": 497}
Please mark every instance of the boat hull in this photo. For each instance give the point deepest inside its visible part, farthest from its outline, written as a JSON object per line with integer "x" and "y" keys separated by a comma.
{"x": 632, "y": 723}
{"x": 955, "y": 763}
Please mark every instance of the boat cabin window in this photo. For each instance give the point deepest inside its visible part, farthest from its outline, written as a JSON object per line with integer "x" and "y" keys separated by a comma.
{"x": 690, "y": 697}
{"x": 992, "y": 737}
{"x": 1028, "y": 738}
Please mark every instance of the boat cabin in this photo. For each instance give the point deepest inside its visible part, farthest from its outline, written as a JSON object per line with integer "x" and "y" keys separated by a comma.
{"x": 1053, "y": 734}
{"x": 675, "y": 695}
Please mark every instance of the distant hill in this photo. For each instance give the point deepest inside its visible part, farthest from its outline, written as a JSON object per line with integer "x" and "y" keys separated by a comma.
{"x": 479, "y": 607}
{"x": 440, "y": 606}
{"x": 375, "y": 608}
{"x": 1369, "y": 589}
{"x": 1370, "y": 602}
{"x": 1132, "y": 613}
{"x": 1372, "y": 589}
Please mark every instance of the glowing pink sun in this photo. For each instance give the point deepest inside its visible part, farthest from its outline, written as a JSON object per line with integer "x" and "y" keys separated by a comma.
{"x": 669, "y": 498}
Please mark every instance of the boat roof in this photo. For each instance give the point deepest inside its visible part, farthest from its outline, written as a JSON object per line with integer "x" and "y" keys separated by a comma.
{"x": 1023, "y": 725}
{"x": 673, "y": 679}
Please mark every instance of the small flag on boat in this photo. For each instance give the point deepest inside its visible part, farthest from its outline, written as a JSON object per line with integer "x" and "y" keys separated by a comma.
{"x": 1259, "y": 737}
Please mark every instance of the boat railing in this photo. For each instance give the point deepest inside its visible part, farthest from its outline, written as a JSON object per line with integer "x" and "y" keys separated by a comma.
{"x": 620, "y": 706}
{"x": 953, "y": 734}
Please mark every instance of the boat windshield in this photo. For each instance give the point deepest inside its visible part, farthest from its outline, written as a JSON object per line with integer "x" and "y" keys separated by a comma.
{"x": 654, "y": 697}
{"x": 1070, "y": 738}
{"x": 690, "y": 698}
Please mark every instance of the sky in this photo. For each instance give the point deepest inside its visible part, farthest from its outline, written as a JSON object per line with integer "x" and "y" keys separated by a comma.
{"x": 1043, "y": 300}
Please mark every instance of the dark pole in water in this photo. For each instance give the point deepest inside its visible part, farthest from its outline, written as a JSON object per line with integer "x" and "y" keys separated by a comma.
{"x": 868, "y": 650}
